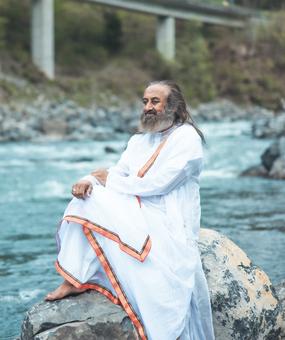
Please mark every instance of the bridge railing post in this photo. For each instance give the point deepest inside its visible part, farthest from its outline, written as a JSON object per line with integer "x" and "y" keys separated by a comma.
{"x": 165, "y": 37}
{"x": 42, "y": 36}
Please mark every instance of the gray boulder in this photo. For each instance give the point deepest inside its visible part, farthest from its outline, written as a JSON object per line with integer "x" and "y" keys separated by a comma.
{"x": 269, "y": 127}
{"x": 272, "y": 162}
{"x": 270, "y": 155}
{"x": 244, "y": 303}
{"x": 280, "y": 291}
{"x": 86, "y": 316}
{"x": 255, "y": 171}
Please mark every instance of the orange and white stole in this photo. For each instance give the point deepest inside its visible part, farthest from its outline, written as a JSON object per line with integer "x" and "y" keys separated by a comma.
{"x": 149, "y": 163}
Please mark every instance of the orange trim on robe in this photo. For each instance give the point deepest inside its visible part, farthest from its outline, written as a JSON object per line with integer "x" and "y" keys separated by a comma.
{"x": 149, "y": 164}
{"x": 152, "y": 159}
{"x": 113, "y": 236}
{"x": 115, "y": 283}
{"x": 71, "y": 279}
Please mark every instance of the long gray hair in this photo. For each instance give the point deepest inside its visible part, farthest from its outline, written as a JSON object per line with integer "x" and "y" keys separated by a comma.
{"x": 177, "y": 104}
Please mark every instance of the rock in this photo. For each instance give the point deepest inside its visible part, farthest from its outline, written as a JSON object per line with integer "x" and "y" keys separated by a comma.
{"x": 43, "y": 120}
{"x": 86, "y": 316}
{"x": 269, "y": 127}
{"x": 244, "y": 303}
{"x": 54, "y": 127}
{"x": 228, "y": 111}
{"x": 273, "y": 162}
{"x": 110, "y": 149}
{"x": 278, "y": 169}
{"x": 94, "y": 133}
{"x": 280, "y": 291}
{"x": 220, "y": 110}
{"x": 270, "y": 155}
{"x": 260, "y": 128}
{"x": 255, "y": 171}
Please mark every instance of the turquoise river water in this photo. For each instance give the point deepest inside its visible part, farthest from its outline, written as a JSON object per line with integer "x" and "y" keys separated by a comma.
{"x": 35, "y": 182}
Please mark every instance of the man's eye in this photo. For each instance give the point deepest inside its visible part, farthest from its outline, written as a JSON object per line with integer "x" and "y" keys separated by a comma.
{"x": 155, "y": 101}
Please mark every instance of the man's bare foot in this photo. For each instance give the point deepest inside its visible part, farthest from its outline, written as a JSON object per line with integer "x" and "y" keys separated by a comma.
{"x": 63, "y": 290}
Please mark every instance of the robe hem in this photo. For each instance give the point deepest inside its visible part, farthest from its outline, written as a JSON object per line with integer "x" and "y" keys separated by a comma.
{"x": 139, "y": 255}
{"x": 94, "y": 286}
{"x": 121, "y": 298}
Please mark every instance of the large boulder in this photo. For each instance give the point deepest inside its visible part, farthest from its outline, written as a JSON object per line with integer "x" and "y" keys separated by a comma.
{"x": 272, "y": 162}
{"x": 244, "y": 303}
{"x": 86, "y": 316}
{"x": 280, "y": 291}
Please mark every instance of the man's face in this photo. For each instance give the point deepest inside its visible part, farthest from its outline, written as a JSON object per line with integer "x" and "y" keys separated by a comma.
{"x": 154, "y": 117}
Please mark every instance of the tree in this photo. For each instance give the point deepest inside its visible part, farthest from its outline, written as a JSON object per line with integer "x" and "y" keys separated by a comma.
{"x": 261, "y": 4}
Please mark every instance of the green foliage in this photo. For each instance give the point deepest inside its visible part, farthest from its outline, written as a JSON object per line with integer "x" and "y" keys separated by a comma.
{"x": 250, "y": 68}
{"x": 101, "y": 52}
{"x": 2, "y": 32}
{"x": 261, "y": 4}
{"x": 15, "y": 26}
{"x": 195, "y": 65}
{"x": 112, "y": 34}
{"x": 138, "y": 34}
{"x": 78, "y": 36}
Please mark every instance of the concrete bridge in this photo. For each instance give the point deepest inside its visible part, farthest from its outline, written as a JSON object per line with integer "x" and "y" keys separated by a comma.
{"x": 165, "y": 10}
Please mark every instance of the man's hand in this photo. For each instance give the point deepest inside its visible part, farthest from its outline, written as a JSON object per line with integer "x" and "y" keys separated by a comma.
{"x": 82, "y": 189}
{"x": 101, "y": 175}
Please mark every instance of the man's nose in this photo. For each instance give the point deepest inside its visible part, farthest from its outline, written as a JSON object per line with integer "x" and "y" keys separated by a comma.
{"x": 148, "y": 106}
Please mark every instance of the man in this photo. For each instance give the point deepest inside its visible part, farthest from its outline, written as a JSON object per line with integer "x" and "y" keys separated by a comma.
{"x": 131, "y": 232}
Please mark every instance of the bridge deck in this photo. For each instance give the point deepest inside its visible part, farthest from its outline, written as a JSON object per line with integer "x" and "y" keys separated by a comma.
{"x": 204, "y": 7}
{"x": 187, "y": 9}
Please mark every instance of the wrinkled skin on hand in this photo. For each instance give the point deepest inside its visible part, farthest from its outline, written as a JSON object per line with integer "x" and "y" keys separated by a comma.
{"x": 83, "y": 188}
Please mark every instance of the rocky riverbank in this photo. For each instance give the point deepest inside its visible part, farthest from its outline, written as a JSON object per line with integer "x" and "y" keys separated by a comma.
{"x": 65, "y": 120}
{"x": 46, "y": 120}
{"x": 245, "y": 305}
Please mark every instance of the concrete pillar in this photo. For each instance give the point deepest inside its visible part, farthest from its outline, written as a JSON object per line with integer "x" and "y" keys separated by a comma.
{"x": 43, "y": 36}
{"x": 165, "y": 37}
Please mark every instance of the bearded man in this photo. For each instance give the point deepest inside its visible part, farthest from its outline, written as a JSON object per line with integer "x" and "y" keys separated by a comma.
{"x": 131, "y": 231}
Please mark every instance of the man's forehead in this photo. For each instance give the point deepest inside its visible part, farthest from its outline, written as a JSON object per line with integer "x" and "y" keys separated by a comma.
{"x": 156, "y": 90}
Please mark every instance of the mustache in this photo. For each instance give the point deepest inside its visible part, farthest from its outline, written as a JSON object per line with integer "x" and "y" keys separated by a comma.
{"x": 152, "y": 111}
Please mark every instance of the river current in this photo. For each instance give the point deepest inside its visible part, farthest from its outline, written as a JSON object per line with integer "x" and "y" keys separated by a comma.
{"x": 35, "y": 187}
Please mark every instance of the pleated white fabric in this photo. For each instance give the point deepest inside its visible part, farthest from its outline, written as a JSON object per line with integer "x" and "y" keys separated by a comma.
{"x": 166, "y": 287}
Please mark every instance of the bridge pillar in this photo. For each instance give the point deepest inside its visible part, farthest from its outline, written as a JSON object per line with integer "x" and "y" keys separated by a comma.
{"x": 165, "y": 37}
{"x": 42, "y": 35}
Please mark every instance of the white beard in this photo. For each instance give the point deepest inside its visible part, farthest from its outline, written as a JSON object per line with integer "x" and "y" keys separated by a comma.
{"x": 156, "y": 123}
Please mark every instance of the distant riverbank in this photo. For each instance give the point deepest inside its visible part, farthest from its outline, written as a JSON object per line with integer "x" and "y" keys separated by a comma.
{"x": 44, "y": 120}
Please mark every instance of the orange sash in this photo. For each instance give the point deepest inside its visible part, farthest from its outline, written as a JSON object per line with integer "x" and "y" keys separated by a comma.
{"x": 149, "y": 164}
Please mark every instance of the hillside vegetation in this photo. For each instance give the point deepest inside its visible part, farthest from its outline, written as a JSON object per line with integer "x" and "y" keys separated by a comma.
{"x": 103, "y": 54}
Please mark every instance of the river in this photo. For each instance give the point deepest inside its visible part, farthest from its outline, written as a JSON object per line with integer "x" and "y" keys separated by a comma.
{"x": 35, "y": 187}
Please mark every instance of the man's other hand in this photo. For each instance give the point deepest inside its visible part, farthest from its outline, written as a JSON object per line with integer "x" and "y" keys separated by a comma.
{"x": 82, "y": 189}
{"x": 101, "y": 175}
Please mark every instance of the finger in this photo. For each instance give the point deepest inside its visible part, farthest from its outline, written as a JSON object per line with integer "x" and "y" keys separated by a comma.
{"x": 76, "y": 191}
{"x": 81, "y": 189}
{"x": 89, "y": 190}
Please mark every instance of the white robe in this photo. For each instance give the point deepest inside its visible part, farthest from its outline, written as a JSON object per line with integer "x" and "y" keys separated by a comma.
{"x": 144, "y": 256}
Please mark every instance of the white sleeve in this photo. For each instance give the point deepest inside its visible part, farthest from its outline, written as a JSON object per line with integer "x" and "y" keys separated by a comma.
{"x": 183, "y": 160}
{"x": 122, "y": 166}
